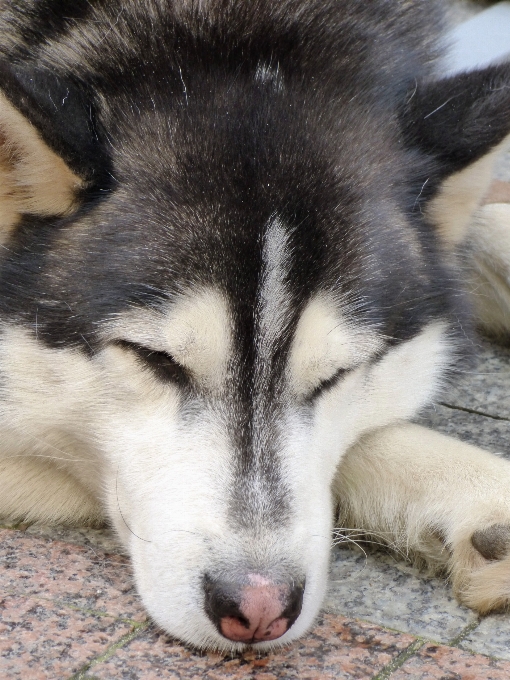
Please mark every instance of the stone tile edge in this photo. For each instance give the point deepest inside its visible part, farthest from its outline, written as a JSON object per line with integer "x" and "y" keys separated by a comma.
{"x": 473, "y": 411}
{"x": 138, "y": 629}
{"x": 386, "y": 672}
{"x": 400, "y": 659}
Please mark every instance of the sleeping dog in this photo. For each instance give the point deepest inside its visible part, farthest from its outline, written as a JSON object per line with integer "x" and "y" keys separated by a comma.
{"x": 235, "y": 240}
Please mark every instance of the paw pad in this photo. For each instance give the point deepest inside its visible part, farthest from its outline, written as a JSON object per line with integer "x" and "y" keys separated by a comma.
{"x": 492, "y": 543}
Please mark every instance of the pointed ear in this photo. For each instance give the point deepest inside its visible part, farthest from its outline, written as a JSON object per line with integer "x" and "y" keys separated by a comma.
{"x": 33, "y": 178}
{"x": 50, "y": 151}
{"x": 462, "y": 124}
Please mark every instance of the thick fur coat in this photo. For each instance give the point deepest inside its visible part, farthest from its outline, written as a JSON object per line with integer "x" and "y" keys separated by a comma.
{"x": 235, "y": 237}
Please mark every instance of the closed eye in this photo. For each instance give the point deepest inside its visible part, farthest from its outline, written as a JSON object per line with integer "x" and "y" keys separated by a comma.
{"x": 163, "y": 365}
{"x": 326, "y": 385}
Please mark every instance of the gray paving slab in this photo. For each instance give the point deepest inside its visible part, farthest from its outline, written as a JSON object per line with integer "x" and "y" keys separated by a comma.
{"x": 502, "y": 168}
{"x": 390, "y": 593}
{"x": 462, "y": 10}
{"x": 485, "y": 385}
{"x": 488, "y": 433}
{"x": 492, "y": 637}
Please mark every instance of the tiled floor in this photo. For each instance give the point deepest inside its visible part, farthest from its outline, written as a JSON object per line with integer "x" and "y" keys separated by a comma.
{"x": 68, "y": 609}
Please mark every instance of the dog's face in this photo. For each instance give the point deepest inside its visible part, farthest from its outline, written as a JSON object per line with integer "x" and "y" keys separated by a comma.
{"x": 227, "y": 332}
{"x": 212, "y": 316}
{"x": 219, "y": 481}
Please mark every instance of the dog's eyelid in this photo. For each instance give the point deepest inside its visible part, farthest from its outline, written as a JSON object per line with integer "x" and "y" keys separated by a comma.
{"x": 162, "y": 363}
{"x": 327, "y": 384}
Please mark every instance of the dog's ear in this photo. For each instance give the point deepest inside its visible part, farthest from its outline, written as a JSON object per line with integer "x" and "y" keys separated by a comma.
{"x": 461, "y": 123}
{"x": 50, "y": 150}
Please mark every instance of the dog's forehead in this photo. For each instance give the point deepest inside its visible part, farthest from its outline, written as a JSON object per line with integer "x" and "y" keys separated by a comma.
{"x": 267, "y": 340}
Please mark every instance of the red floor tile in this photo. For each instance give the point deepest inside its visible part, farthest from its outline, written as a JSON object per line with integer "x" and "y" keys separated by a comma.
{"x": 337, "y": 648}
{"x": 40, "y": 641}
{"x": 67, "y": 573}
{"x": 434, "y": 662}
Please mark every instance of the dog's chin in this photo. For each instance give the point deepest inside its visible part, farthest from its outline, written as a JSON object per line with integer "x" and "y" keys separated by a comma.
{"x": 203, "y": 636}
{"x": 179, "y": 610}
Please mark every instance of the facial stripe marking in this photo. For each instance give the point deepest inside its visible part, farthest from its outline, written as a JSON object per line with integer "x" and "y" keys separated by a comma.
{"x": 259, "y": 494}
{"x": 274, "y": 300}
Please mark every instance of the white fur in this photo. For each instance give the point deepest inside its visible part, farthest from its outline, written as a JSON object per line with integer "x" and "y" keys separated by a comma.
{"x": 327, "y": 340}
{"x": 274, "y": 300}
{"x": 165, "y": 484}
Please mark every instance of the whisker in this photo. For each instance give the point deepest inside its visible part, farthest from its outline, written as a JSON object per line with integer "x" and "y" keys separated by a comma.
{"x": 392, "y": 547}
{"x": 120, "y": 511}
{"x": 45, "y": 443}
{"x": 358, "y": 546}
{"x": 340, "y": 537}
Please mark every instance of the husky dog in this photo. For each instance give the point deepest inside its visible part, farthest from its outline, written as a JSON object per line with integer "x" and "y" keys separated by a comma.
{"x": 234, "y": 239}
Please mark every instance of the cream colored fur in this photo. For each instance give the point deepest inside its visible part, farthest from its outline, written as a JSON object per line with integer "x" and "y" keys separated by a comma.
{"x": 325, "y": 343}
{"x": 460, "y": 195}
{"x": 35, "y": 490}
{"x": 478, "y": 237}
{"x": 195, "y": 329}
{"x": 487, "y": 260}
{"x": 425, "y": 494}
{"x": 33, "y": 179}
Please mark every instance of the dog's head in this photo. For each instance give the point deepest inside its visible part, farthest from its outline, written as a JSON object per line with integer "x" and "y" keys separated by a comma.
{"x": 224, "y": 284}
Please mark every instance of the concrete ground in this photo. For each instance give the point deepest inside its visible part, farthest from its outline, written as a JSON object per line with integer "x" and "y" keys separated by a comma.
{"x": 68, "y": 609}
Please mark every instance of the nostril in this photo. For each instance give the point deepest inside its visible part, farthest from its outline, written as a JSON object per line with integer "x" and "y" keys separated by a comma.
{"x": 255, "y": 609}
{"x": 222, "y": 599}
{"x": 295, "y": 602}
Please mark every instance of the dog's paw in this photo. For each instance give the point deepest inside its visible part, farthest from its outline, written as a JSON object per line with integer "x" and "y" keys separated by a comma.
{"x": 480, "y": 568}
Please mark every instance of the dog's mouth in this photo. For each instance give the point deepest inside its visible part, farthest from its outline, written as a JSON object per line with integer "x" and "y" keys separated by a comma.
{"x": 253, "y": 609}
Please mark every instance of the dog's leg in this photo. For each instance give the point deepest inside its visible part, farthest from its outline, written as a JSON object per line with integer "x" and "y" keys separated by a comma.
{"x": 34, "y": 491}
{"x": 437, "y": 498}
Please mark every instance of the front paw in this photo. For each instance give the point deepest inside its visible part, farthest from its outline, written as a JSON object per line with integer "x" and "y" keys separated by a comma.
{"x": 480, "y": 568}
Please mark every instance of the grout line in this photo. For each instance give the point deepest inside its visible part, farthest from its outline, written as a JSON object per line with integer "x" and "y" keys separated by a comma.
{"x": 400, "y": 660}
{"x": 110, "y": 651}
{"x": 454, "y": 642}
{"x": 473, "y": 411}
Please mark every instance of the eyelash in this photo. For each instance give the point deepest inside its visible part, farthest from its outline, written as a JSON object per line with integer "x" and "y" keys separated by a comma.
{"x": 327, "y": 384}
{"x": 167, "y": 369}
{"x": 162, "y": 364}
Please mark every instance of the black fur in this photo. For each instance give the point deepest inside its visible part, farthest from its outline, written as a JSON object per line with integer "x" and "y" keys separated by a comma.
{"x": 458, "y": 119}
{"x": 190, "y": 154}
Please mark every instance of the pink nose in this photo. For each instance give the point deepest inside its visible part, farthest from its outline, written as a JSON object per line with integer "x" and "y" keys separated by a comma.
{"x": 259, "y": 610}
